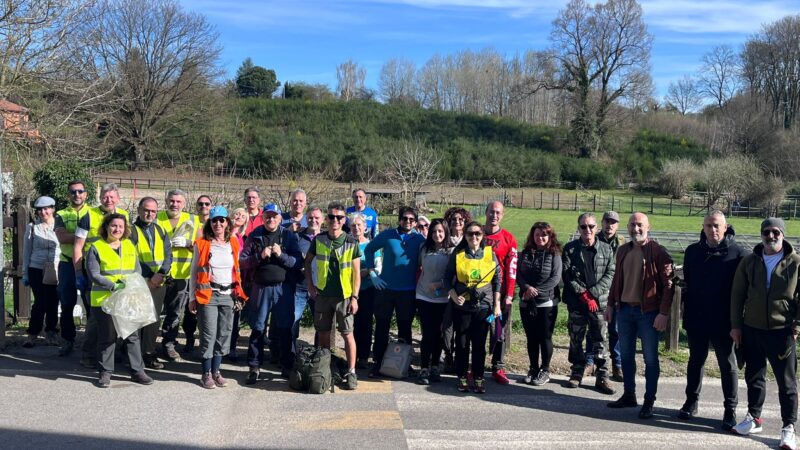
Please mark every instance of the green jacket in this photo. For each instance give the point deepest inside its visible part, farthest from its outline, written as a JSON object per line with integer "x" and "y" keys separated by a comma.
{"x": 754, "y": 305}
{"x": 615, "y": 242}
{"x": 575, "y": 279}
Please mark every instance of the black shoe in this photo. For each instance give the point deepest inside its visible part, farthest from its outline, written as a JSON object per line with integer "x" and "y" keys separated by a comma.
{"x": 688, "y": 411}
{"x": 628, "y": 400}
{"x": 252, "y": 377}
{"x": 104, "y": 380}
{"x": 647, "y": 410}
{"x": 141, "y": 378}
{"x": 66, "y": 349}
{"x": 729, "y": 419}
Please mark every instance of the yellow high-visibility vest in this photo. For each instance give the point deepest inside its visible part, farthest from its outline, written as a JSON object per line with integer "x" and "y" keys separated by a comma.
{"x": 113, "y": 266}
{"x": 343, "y": 254}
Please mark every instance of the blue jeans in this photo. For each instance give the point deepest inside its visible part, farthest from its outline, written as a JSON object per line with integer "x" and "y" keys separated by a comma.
{"x": 613, "y": 345}
{"x": 633, "y": 323}
{"x": 264, "y": 300}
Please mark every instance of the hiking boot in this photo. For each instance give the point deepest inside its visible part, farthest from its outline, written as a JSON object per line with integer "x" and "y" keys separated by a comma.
{"x": 171, "y": 354}
{"x": 252, "y": 377}
{"x": 51, "y": 338}
{"x": 424, "y": 377}
{"x": 30, "y": 342}
{"x": 647, "y": 410}
{"x": 499, "y": 376}
{"x": 604, "y": 386}
{"x": 463, "y": 384}
{"x": 616, "y": 374}
{"x": 530, "y": 376}
{"x": 688, "y": 411}
{"x": 66, "y": 349}
{"x": 219, "y": 380}
{"x": 750, "y": 425}
{"x": 88, "y": 362}
{"x": 351, "y": 381}
{"x": 788, "y": 438}
{"x": 480, "y": 386}
{"x": 153, "y": 363}
{"x": 589, "y": 370}
{"x": 628, "y": 400}
{"x": 574, "y": 382}
{"x": 543, "y": 377}
{"x": 104, "y": 380}
{"x": 729, "y": 419}
{"x": 141, "y": 378}
{"x": 207, "y": 381}
{"x": 435, "y": 375}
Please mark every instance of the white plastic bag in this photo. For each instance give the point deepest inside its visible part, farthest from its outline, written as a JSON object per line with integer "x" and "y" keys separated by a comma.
{"x": 132, "y": 307}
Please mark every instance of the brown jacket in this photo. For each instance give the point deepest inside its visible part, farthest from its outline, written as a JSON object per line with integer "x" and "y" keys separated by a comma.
{"x": 657, "y": 286}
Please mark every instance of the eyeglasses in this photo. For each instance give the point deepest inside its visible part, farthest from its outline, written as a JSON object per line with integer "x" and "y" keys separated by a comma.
{"x": 588, "y": 227}
{"x": 423, "y": 225}
{"x": 76, "y": 191}
{"x": 219, "y": 220}
{"x": 203, "y": 203}
{"x": 474, "y": 234}
{"x": 407, "y": 219}
{"x": 335, "y": 217}
{"x": 773, "y": 232}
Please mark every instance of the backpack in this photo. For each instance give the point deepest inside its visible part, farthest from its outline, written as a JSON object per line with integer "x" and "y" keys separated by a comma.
{"x": 396, "y": 359}
{"x": 312, "y": 370}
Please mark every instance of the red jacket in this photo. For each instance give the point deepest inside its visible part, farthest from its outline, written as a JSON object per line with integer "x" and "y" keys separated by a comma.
{"x": 505, "y": 248}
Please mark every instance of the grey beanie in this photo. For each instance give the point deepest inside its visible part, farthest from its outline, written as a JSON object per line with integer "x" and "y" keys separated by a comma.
{"x": 775, "y": 222}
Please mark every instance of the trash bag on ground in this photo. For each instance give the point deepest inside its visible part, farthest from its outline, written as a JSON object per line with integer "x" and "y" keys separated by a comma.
{"x": 131, "y": 307}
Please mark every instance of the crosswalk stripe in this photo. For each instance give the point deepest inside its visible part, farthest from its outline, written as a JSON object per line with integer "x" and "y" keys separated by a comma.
{"x": 351, "y": 420}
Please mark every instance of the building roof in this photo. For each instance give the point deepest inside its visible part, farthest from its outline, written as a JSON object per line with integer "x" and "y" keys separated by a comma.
{"x": 6, "y": 105}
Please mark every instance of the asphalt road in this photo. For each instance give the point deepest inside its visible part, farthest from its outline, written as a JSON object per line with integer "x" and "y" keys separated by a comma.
{"x": 52, "y": 402}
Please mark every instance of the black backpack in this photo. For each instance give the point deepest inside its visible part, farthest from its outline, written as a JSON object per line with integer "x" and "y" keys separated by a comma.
{"x": 312, "y": 370}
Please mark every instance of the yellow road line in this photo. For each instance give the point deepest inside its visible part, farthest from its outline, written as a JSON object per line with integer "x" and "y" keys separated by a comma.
{"x": 352, "y": 420}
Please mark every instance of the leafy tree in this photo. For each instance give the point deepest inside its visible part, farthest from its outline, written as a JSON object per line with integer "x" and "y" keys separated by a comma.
{"x": 305, "y": 91}
{"x": 52, "y": 179}
{"x": 255, "y": 81}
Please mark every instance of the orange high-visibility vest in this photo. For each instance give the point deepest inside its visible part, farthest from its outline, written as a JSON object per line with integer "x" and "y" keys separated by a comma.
{"x": 203, "y": 292}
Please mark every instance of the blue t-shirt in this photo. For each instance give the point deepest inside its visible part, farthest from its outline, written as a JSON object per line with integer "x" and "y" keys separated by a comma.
{"x": 372, "y": 220}
{"x": 287, "y": 221}
{"x": 400, "y": 258}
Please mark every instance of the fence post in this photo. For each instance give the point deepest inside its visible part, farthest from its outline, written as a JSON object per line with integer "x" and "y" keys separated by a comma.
{"x": 670, "y": 206}
{"x": 22, "y": 293}
{"x": 631, "y": 204}
{"x": 594, "y": 203}
{"x": 652, "y": 205}
{"x": 691, "y": 199}
{"x": 794, "y": 213}
{"x": 558, "y": 201}
{"x": 522, "y": 198}
{"x": 541, "y": 200}
{"x": 675, "y": 321}
{"x": 576, "y": 201}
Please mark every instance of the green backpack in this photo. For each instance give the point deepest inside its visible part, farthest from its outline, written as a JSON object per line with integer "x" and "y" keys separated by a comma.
{"x": 312, "y": 370}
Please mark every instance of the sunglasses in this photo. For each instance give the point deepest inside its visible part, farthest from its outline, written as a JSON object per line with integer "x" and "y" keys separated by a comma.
{"x": 474, "y": 234}
{"x": 423, "y": 225}
{"x": 203, "y": 203}
{"x": 76, "y": 191}
{"x": 335, "y": 217}
{"x": 219, "y": 220}
{"x": 588, "y": 227}
{"x": 775, "y": 233}
{"x": 407, "y": 219}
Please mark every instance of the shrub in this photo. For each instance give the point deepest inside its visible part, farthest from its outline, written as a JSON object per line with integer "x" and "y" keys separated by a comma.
{"x": 677, "y": 177}
{"x": 52, "y": 179}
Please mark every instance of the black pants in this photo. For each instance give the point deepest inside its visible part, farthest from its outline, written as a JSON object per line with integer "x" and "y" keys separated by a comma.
{"x": 471, "y": 329}
{"x": 189, "y": 324}
{"x": 45, "y": 305}
{"x": 107, "y": 344}
{"x": 386, "y": 303}
{"x": 777, "y": 347}
{"x": 362, "y": 322}
{"x": 539, "y": 333}
{"x": 175, "y": 301}
{"x": 430, "y": 317}
{"x": 699, "y": 341}
{"x": 150, "y": 332}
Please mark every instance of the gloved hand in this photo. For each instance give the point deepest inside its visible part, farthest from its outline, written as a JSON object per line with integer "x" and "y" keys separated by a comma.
{"x": 377, "y": 281}
{"x": 119, "y": 285}
{"x": 82, "y": 283}
{"x": 589, "y": 301}
{"x": 238, "y": 304}
{"x": 490, "y": 318}
{"x": 25, "y": 282}
{"x": 178, "y": 242}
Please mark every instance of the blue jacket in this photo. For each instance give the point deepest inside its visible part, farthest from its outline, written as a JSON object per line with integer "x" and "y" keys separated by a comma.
{"x": 400, "y": 258}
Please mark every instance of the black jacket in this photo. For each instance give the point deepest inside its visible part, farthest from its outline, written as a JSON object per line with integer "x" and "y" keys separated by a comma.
{"x": 708, "y": 274}
{"x": 541, "y": 270}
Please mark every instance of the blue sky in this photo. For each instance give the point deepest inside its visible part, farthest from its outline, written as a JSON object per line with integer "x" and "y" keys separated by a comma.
{"x": 304, "y": 40}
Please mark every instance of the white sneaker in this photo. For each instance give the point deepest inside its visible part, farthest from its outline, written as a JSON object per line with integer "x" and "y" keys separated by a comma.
{"x": 750, "y": 425}
{"x": 788, "y": 439}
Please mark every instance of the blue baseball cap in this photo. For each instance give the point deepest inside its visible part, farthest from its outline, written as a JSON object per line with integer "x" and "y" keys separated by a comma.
{"x": 218, "y": 211}
{"x": 271, "y": 208}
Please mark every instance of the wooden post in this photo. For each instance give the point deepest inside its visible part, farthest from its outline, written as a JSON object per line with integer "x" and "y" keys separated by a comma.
{"x": 594, "y": 202}
{"x": 675, "y": 321}
{"x": 541, "y": 200}
{"x": 652, "y": 205}
{"x": 576, "y": 201}
{"x": 691, "y": 198}
{"x": 22, "y": 293}
{"x": 612, "y": 203}
{"x": 631, "y": 204}
{"x": 794, "y": 214}
{"x": 522, "y": 198}
{"x": 558, "y": 201}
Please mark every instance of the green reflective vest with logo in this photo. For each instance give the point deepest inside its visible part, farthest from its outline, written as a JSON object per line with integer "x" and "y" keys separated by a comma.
{"x": 150, "y": 257}
{"x": 96, "y": 216}
{"x": 70, "y": 216}
{"x": 188, "y": 225}
{"x": 343, "y": 254}
{"x": 114, "y": 266}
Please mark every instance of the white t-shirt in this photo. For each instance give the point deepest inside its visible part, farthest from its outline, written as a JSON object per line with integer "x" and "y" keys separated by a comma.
{"x": 221, "y": 263}
{"x": 770, "y": 261}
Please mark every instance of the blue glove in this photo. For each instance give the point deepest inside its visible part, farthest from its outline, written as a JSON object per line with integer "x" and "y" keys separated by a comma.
{"x": 377, "y": 281}
{"x": 490, "y": 318}
{"x": 82, "y": 283}
{"x": 25, "y": 282}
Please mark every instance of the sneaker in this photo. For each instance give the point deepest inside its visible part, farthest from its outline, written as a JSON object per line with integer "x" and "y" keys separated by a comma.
{"x": 51, "y": 338}
{"x": 729, "y": 420}
{"x": 499, "y": 376}
{"x": 647, "y": 410}
{"x": 351, "y": 381}
{"x": 788, "y": 438}
{"x": 207, "y": 381}
{"x": 66, "y": 349}
{"x": 574, "y": 382}
{"x": 104, "y": 380}
{"x": 141, "y": 378}
{"x": 154, "y": 363}
{"x": 543, "y": 377}
{"x": 688, "y": 411}
{"x": 628, "y": 400}
{"x": 604, "y": 386}
{"x": 424, "y": 377}
{"x": 532, "y": 373}
{"x": 252, "y": 377}
{"x": 750, "y": 425}
{"x": 219, "y": 380}
{"x": 480, "y": 386}
{"x": 463, "y": 384}
{"x": 171, "y": 353}
{"x": 616, "y": 374}
{"x": 30, "y": 342}
{"x": 435, "y": 375}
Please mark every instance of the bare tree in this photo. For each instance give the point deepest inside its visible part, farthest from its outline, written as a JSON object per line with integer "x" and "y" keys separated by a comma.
{"x": 718, "y": 75}
{"x": 412, "y": 166}
{"x": 350, "y": 77}
{"x": 396, "y": 81}
{"x": 683, "y": 95}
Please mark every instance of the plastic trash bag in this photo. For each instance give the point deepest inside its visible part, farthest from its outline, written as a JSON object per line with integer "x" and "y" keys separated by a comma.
{"x": 132, "y": 307}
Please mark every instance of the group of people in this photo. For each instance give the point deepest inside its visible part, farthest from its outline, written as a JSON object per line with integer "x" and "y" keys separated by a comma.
{"x": 209, "y": 268}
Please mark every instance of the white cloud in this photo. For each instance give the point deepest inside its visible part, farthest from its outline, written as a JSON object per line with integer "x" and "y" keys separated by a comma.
{"x": 710, "y": 16}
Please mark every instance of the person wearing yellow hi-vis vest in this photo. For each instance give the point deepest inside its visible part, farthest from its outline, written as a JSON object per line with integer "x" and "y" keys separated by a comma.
{"x": 473, "y": 280}
{"x": 86, "y": 233}
{"x": 108, "y": 261}
{"x": 333, "y": 277}
{"x": 182, "y": 229}
{"x": 155, "y": 256}
{"x": 65, "y": 226}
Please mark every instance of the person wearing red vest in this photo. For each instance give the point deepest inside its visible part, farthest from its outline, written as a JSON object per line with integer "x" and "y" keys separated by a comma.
{"x": 216, "y": 285}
